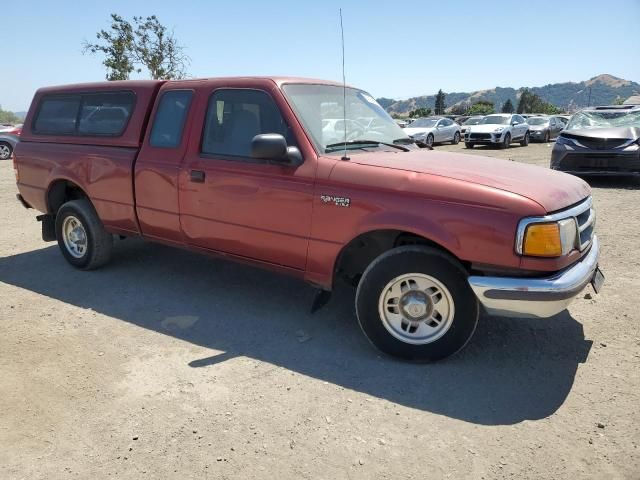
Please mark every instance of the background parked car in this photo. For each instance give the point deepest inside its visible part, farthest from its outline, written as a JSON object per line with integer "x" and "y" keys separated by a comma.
{"x": 544, "y": 129}
{"x": 333, "y": 129}
{"x": 600, "y": 141}
{"x": 430, "y": 130}
{"x": 498, "y": 129}
{"x": 468, "y": 122}
{"x": 9, "y": 137}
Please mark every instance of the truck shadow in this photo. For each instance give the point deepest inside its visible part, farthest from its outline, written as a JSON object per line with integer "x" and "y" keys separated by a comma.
{"x": 513, "y": 370}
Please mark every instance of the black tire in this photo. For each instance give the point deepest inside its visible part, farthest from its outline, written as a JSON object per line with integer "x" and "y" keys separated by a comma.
{"x": 426, "y": 261}
{"x": 525, "y": 141}
{"x": 506, "y": 143}
{"x": 6, "y": 150}
{"x": 468, "y": 145}
{"x": 98, "y": 242}
{"x": 430, "y": 140}
{"x": 456, "y": 138}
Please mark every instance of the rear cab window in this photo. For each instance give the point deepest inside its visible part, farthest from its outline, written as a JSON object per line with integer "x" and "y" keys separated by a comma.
{"x": 84, "y": 114}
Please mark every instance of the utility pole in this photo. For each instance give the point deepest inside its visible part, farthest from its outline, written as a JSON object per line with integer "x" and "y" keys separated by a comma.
{"x": 589, "y": 101}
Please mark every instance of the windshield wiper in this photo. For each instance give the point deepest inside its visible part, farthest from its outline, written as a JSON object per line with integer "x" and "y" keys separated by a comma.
{"x": 336, "y": 145}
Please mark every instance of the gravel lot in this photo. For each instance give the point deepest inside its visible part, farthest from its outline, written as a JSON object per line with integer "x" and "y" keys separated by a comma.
{"x": 167, "y": 364}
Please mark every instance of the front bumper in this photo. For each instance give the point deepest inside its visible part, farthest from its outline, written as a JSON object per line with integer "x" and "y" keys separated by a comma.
{"x": 595, "y": 162}
{"x": 483, "y": 137}
{"x": 536, "y": 297}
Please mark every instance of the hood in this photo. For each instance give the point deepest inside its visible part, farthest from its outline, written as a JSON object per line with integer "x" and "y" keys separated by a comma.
{"x": 485, "y": 128}
{"x": 551, "y": 189}
{"x": 630, "y": 133}
{"x": 414, "y": 131}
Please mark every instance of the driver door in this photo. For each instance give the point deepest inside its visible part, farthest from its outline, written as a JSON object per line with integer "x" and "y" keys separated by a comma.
{"x": 232, "y": 203}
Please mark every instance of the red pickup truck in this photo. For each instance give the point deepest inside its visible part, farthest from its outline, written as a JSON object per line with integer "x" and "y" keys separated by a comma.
{"x": 315, "y": 180}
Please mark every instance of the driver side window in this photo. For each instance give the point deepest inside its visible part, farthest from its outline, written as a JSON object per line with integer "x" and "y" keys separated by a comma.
{"x": 235, "y": 116}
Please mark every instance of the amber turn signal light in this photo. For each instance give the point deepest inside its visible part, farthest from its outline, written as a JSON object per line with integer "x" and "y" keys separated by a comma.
{"x": 542, "y": 240}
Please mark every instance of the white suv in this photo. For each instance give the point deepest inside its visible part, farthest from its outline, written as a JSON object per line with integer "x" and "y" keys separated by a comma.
{"x": 498, "y": 129}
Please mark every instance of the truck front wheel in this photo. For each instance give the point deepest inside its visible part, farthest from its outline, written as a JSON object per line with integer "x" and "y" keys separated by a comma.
{"x": 81, "y": 236}
{"x": 414, "y": 302}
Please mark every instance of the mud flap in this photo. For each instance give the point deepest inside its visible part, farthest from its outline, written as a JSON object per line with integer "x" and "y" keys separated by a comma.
{"x": 321, "y": 299}
{"x": 48, "y": 227}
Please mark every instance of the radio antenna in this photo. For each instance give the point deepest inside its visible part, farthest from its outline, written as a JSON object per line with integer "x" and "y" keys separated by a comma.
{"x": 344, "y": 93}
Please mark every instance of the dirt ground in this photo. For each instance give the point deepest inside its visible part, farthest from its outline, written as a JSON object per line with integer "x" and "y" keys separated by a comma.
{"x": 166, "y": 364}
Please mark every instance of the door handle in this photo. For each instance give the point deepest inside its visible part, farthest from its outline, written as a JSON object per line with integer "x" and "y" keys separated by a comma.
{"x": 197, "y": 176}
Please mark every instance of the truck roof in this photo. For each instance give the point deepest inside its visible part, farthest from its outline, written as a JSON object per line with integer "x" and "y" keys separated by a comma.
{"x": 153, "y": 84}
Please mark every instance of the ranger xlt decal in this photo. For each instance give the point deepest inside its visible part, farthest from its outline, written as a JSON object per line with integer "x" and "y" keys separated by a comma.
{"x": 338, "y": 201}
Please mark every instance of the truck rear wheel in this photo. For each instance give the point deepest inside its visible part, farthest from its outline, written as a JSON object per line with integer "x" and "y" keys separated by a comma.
{"x": 414, "y": 302}
{"x": 81, "y": 236}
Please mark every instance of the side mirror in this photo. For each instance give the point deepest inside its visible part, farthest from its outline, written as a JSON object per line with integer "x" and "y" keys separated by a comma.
{"x": 514, "y": 123}
{"x": 273, "y": 146}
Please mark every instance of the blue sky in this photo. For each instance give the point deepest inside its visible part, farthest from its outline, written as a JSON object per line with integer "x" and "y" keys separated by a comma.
{"x": 393, "y": 49}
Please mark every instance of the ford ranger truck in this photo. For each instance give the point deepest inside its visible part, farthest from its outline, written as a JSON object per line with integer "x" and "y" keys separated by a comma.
{"x": 276, "y": 172}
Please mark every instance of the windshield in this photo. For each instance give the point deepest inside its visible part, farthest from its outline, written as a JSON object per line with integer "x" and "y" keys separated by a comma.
{"x": 424, "y": 123}
{"x": 473, "y": 121}
{"x": 495, "y": 120}
{"x": 604, "y": 120}
{"x": 320, "y": 108}
{"x": 537, "y": 121}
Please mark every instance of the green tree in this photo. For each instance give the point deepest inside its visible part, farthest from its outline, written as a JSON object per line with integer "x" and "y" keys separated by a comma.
{"x": 507, "y": 107}
{"x": 440, "y": 105}
{"x": 116, "y": 45}
{"x": 8, "y": 117}
{"x": 420, "y": 112}
{"x": 481, "y": 107}
{"x": 147, "y": 43}
{"x": 532, "y": 103}
{"x": 158, "y": 50}
{"x": 618, "y": 101}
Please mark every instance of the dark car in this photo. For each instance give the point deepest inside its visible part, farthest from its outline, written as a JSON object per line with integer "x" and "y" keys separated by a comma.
{"x": 543, "y": 129}
{"x": 600, "y": 141}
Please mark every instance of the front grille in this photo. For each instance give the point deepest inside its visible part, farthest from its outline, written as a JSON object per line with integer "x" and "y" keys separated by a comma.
{"x": 480, "y": 136}
{"x": 585, "y": 217}
{"x": 586, "y": 225}
{"x": 599, "y": 143}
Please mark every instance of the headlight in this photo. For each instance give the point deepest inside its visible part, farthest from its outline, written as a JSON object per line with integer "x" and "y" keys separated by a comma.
{"x": 569, "y": 142}
{"x": 546, "y": 239}
{"x": 499, "y": 129}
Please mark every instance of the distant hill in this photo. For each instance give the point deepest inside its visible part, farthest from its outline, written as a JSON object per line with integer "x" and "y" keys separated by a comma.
{"x": 20, "y": 115}
{"x": 569, "y": 96}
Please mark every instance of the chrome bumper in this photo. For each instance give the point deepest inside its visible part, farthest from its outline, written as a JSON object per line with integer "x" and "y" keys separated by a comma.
{"x": 535, "y": 297}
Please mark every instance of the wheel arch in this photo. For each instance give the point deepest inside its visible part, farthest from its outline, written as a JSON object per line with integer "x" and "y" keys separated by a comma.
{"x": 60, "y": 191}
{"x": 356, "y": 255}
